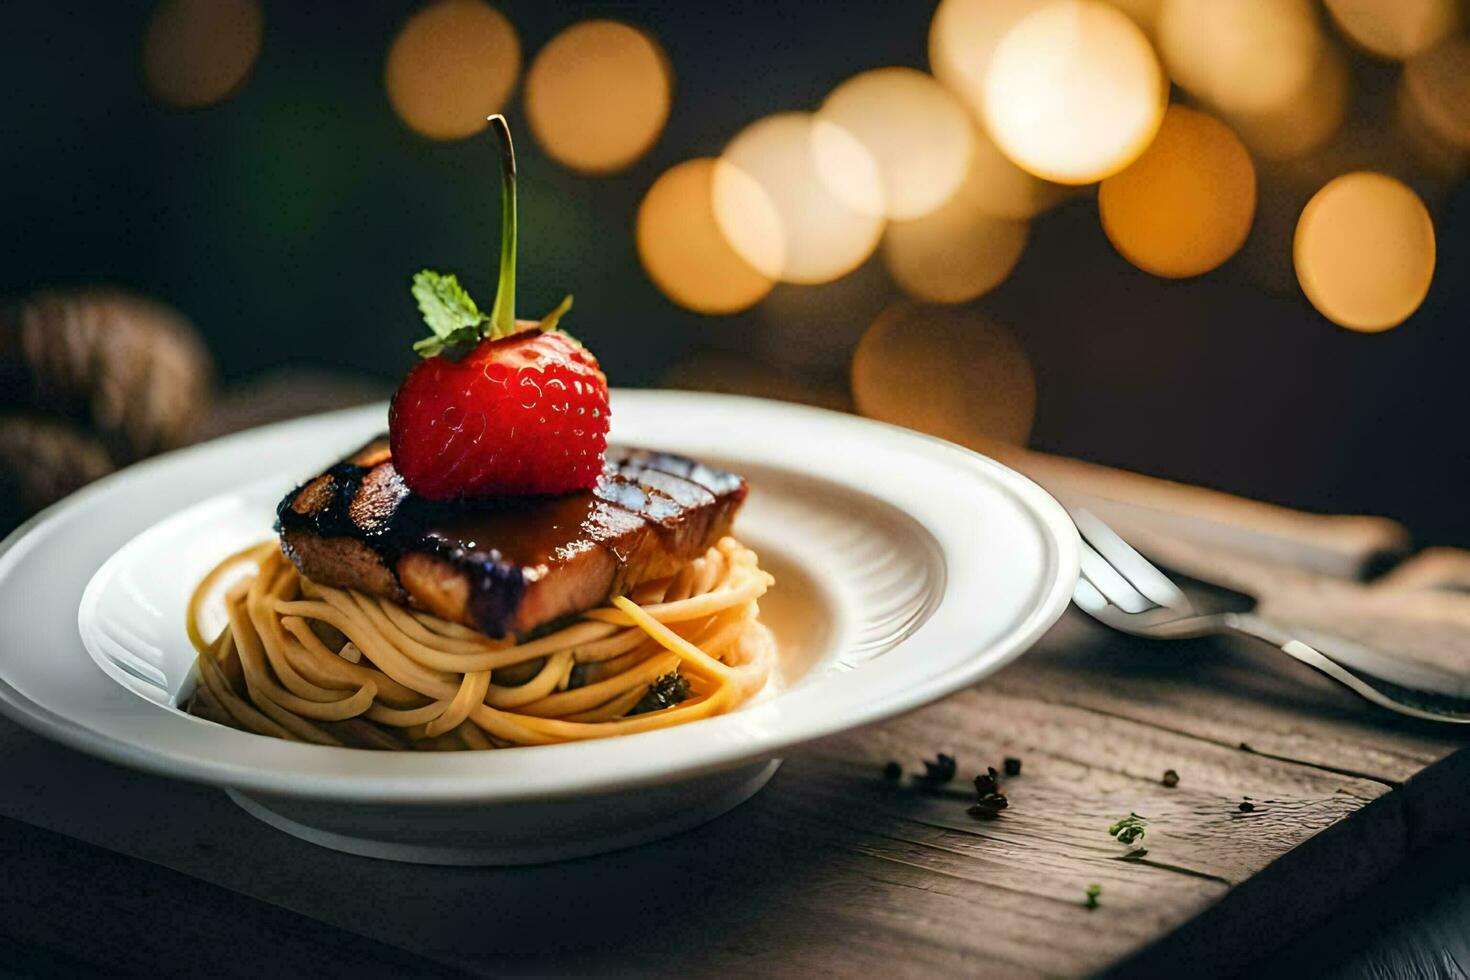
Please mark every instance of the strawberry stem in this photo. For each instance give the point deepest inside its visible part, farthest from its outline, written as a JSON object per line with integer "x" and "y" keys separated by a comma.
{"x": 503, "y": 313}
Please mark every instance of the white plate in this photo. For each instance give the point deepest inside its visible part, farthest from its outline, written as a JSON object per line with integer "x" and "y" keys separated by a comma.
{"x": 907, "y": 568}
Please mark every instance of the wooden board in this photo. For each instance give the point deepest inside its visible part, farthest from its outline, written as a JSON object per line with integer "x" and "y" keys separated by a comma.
{"x": 832, "y": 869}
{"x": 835, "y": 869}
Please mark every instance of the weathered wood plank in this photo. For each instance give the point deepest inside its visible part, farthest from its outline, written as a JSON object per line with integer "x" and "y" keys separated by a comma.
{"x": 831, "y": 869}
{"x": 1228, "y": 693}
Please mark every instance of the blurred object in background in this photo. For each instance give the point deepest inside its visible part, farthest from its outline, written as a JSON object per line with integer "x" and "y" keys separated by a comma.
{"x": 598, "y": 95}
{"x": 199, "y": 52}
{"x": 683, "y": 250}
{"x": 1001, "y": 189}
{"x": 947, "y": 372}
{"x": 1073, "y": 92}
{"x": 1241, "y": 56}
{"x": 1438, "y": 81}
{"x": 955, "y": 254}
{"x": 1186, "y": 205}
{"x": 41, "y": 461}
{"x": 453, "y": 63}
{"x": 809, "y": 176}
{"x": 916, "y": 131}
{"x": 1396, "y": 29}
{"x": 1365, "y": 251}
{"x": 962, "y": 40}
{"x": 1304, "y": 122}
{"x": 92, "y": 379}
{"x": 822, "y": 235}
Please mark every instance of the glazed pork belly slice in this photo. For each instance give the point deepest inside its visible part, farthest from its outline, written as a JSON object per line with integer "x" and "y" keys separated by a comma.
{"x": 509, "y": 565}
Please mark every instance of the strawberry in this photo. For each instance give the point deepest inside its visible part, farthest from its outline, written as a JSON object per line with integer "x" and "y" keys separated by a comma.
{"x": 520, "y": 414}
{"x": 497, "y": 406}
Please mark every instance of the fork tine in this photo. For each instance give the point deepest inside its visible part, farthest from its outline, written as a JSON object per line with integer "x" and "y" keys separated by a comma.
{"x": 1106, "y": 580}
{"x": 1123, "y": 558}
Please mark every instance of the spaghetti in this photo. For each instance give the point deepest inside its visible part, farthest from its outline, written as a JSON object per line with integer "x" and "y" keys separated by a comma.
{"x": 304, "y": 662}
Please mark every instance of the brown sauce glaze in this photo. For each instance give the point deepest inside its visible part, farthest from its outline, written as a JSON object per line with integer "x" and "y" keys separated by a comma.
{"x": 648, "y": 512}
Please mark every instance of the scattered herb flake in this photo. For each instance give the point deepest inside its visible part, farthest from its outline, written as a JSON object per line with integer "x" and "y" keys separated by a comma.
{"x": 1093, "y": 893}
{"x": 1129, "y": 829}
{"x": 992, "y": 800}
{"x": 987, "y": 782}
{"x": 1012, "y": 766}
{"x": 892, "y": 771}
{"x": 1246, "y": 806}
{"x": 1171, "y": 778}
{"x": 665, "y": 692}
{"x": 939, "y": 771}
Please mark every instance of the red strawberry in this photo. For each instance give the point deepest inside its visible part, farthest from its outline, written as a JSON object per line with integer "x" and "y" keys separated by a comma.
{"x": 524, "y": 414}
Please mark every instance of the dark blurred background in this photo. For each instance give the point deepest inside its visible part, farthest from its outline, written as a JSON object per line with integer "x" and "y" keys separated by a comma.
{"x": 286, "y": 219}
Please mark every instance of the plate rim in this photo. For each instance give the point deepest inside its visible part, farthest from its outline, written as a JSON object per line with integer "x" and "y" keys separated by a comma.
{"x": 1055, "y": 533}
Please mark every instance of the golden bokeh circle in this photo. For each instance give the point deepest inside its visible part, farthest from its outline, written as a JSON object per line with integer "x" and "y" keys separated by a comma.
{"x": 962, "y": 38}
{"x": 683, "y": 250}
{"x": 955, "y": 254}
{"x": 598, "y": 95}
{"x": 1074, "y": 92}
{"x": 1307, "y": 120}
{"x": 1439, "y": 83}
{"x": 917, "y": 131}
{"x": 820, "y": 236}
{"x": 1240, "y": 56}
{"x": 946, "y": 371}
{"x": 1001, "y": 189}
{"x": 452, "y": 64}
{"x": 1395, "y": 29}
{"x": 199, "y": 52}
{"x": 1185, "y": 205}
{"x": 1364, "y": 251}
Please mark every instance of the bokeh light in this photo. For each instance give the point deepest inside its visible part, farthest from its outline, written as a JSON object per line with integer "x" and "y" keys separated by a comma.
{"x": 1364, "y": 251}
{"x": 1001, "y": 189}
{"x": 946, "y": 371}
{"x": 1186, "y": 205}
{"x": 916, "y": 130}
{"x": 962, "y": 38}
{"x": 1431, "y": 151}
{"x": 1144, "y": 13}
{"x": 1074, "y": 92}
{"x": 1439, "y": 83}
{"x": 821, "y": 237}
{"x": 1306, "y": 120}
{"x": 452, "y": 64}
{"x": 682, "y": 248}
{"x": 597, "y": 96}
{"x": 199, "y": 52}
{"x": 1240, "y": 56}
{"x": 954, "y": 254}
{"x": 1395, "y": 29}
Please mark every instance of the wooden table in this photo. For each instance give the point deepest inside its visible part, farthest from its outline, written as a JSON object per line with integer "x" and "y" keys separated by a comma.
{"x": 832, "y": 869}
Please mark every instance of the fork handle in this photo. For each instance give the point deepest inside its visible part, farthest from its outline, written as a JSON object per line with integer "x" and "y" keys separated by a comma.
{"x": 1248, "y": 625}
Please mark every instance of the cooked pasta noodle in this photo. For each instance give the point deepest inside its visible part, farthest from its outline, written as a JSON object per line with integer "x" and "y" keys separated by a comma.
{"x": 304, "y": 662}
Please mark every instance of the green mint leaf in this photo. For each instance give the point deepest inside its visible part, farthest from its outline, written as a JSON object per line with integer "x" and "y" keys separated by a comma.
{"x": 446, "y": 307}
{"x": 457, "y": 343}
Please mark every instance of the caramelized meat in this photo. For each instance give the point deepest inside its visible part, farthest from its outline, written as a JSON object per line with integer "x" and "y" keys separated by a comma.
{"x": 507, "y": 565}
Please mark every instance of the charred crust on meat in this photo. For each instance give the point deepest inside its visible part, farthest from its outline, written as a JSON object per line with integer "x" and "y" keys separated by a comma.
{"x": 487, "y": 564}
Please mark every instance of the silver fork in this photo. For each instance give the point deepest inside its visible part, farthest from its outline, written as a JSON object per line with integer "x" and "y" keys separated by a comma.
{"x": 1120, "y": 588}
